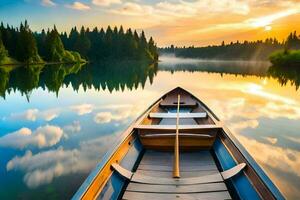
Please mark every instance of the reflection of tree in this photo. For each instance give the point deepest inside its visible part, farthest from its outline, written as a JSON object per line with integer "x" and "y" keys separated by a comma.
{"x": 113, "y": 76}
{"x": 53, "y": 76}
{"x": 222, "y": 67}
{"x": 25, "y": 79}
{"x": 285, "y": 74}
{"x": 109, "y": 75}
{"x": 4, "y": 78}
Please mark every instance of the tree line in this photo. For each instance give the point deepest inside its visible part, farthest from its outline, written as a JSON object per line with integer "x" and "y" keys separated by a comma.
{"x": 21, "y": 45}
{"x": 247, "y": 50}
{"x": 111, "y": 43}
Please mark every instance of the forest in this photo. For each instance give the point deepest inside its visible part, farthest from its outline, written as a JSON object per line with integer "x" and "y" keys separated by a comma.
{"x": 22, "y": 46}
{"x": 247, "y": 50}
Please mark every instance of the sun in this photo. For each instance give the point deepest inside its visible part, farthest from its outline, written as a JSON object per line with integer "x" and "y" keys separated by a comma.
{"x": 268, "y": 28}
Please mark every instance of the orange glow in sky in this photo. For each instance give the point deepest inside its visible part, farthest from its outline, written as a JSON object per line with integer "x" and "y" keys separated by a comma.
{"x": 179, "y": 22}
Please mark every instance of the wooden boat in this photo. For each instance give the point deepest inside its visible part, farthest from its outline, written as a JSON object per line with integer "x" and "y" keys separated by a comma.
{"x": 178, "y": 149}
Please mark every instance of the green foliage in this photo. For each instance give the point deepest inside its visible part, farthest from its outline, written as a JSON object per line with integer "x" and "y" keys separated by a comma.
{"x": 288, "y": 58}
{"x": 113, "y": 43}
{"x": 4, "y": 57}
{"x": 96, "y": 45}
{"x": 293, "y": 41}
{"x": 26, "y": 46}
{"x": 258, "y": 50}
{"x": 55, "y": 51}
{"x": 3, "y": 51}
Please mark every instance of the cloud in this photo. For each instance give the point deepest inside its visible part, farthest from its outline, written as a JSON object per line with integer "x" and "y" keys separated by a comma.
{"x": 74, "y": 127}
{"x": 43, "y": 167}
{"x": 82, "y": 109}
{"x": 78, "y": 6}
{"x": 133, "y": 9}
{"x": 105, "y": 2}
{"x": 44, "y": 136}
{"x": 35, "y": 114}
{"x": 48, "y": 3}
{"x": 170, "y": 10}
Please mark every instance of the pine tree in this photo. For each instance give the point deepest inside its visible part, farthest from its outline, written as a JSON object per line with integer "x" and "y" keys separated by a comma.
{"x": 26, "y": 46}
{"x": 3, "y": 51}
{"x": 82, "y": 43}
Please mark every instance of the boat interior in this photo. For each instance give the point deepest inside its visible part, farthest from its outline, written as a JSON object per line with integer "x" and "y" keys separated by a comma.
{"x": 178, "y": 149}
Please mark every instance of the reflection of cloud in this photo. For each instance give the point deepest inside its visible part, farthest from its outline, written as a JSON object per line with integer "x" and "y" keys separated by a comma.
{"x": 48, "y": 3}
{"x": 42, "y": 168}
{"x": 272, "y": 140}
{"x": 74, "y": 127}
{"x": 293, "y": 139}
{"x": 30, "y": 114}
{"x": 119, "y": 113}
{"x": 43, "y": 136}
{"x": 237, "y": 127}
{"x": 82, "y": 109}
{"x": 283, "y": 159}
{"x": 103, "y": 117}
{"x": 35, "y": 114}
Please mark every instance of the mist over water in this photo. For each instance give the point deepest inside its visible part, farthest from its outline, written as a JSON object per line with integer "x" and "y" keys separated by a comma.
{"x": 172, "y": 63}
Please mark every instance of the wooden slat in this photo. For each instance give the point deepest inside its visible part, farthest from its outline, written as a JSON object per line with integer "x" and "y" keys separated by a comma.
{"x": 199, "y": 155}
{"x": 180, "y": 135}
{"x": 181, "y": 115}
{"x": 179, "y": 189}
{"x": 207, "y": 196}
{"x": 164, "y": 174}
{"x": 183, "y": 168}
{"x": 183, "y": 162}
{"x": 181, "y": 127}
{"x": 184, "y": 121}
{"x": 212, "y": 178}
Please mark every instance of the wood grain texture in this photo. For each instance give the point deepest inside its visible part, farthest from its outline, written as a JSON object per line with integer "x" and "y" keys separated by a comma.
{"x": 194, "y": 196}
{"x": 179, "y": 189}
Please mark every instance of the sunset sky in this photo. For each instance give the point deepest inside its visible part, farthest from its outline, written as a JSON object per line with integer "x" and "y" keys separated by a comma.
{"x": 179, "y": 22}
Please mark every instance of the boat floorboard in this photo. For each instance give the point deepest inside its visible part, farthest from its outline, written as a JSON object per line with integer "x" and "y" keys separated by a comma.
{"x": 192, "y": 164}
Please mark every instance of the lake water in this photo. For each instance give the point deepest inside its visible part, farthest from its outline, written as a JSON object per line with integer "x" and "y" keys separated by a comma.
{"x": 56, "y": 122}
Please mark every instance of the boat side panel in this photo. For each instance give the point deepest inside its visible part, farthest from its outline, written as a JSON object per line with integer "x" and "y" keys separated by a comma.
{"x": 113, "y": 187}
{"x": 240, "y": 182}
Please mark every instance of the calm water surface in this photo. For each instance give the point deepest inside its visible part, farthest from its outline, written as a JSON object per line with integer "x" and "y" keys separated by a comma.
{"x": 57, "y": 122}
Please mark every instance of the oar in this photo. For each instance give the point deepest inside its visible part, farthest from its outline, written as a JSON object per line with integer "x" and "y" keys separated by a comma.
{"x": 176, "y": 173}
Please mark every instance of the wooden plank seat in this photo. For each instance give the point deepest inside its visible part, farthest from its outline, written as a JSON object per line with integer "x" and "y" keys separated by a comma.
{"x": 160, "y": 135}
{"x": 212, "y": 178}
{"x": 181, "y": 115}
{"x": 180, "y": 127}
{"x": 128, "y": 195}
